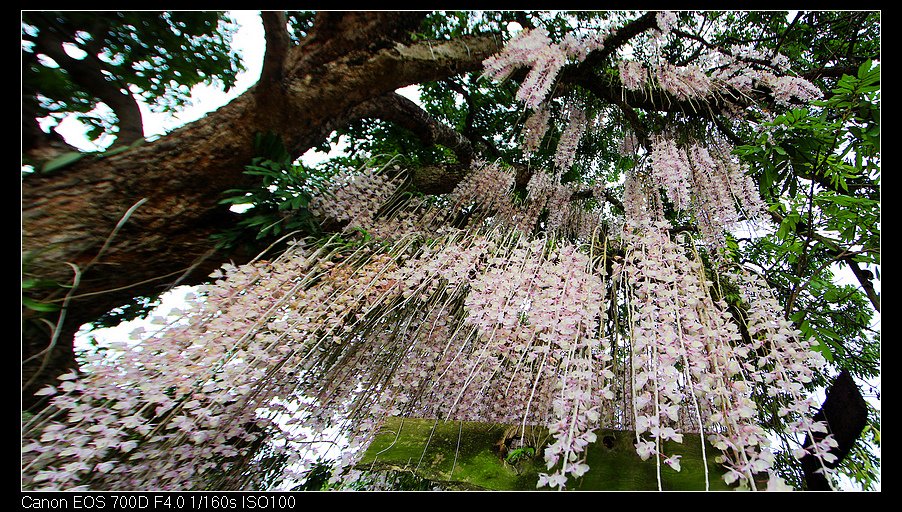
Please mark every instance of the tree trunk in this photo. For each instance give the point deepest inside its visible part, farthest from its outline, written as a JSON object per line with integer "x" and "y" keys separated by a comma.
{"x": 69, "y": 215}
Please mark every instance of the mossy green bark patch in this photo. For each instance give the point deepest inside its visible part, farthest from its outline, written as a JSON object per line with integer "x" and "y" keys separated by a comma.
{"x": 470, "y": 455}
{"x": 448, "y": 451}
{"x": 614, "y": 465}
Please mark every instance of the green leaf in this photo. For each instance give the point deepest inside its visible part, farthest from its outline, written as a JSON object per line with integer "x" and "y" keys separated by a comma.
{"x": 864, "y": 69}
{"x": 788, "y": 225}
{"x": 793, "y": 188}
{"x": 824, "y": 350}
{"x": 39, "y": 306}
{"x": 29, "y": 284}
{"x": 235, "y": 200}
{"x": 114, "y": 151}
{"x": 61, "y": 161}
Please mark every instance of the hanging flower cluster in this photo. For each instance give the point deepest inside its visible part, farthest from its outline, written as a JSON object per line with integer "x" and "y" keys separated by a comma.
{"x": 403, "y": 223}
{"x": 315, "y": 349}
{"x": 665, "y": 20}
{"x": 785, "y": 88}
{"x": 629, "y": 146}
{"x": 566, "y": 147}
{"x": 639, "y": 202}
{"x": 534, "y": 49}
{"x": 534, "y": 130}
{"x": 168, "y": 407}
{"x": 684, "y": 82}
{"x": 280, "y": 362}
{"x": 721, "y": 191}
{"x": 672, "y": 170}
{"x": 584, "y": 380}
{"x": 487, "y": 186}
{"x": 691, "y": 371}
{"x": 355, "y": 198}
{"x": 731, "y": 69}
{"x": 633, "y": 74}
{"x": 714, "y": 186}
{"x": 786, "y": 362}
{"x": 523, "y": 217}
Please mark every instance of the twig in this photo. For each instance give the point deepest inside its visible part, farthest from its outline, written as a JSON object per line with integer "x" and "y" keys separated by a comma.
{"x": 78, "y": 273}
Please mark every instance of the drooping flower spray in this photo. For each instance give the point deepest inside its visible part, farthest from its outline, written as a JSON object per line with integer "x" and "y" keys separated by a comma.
{"x": 472, "y": 307}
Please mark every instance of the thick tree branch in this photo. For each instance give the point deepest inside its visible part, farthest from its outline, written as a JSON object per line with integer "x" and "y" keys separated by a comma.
{"x": 612, "y": 43}
{"x": 438, "y": 179}
{"x": 405, "y": 113}
{"x": 586, "y": 75}
{"x": 277, "y": 44}
{"x": 633, "y": 119}
{"x": 357, "y": 77}
{"x": 336, "y": 34}
{"x": 586, "y": 72}
{"x": 441, "y": 179}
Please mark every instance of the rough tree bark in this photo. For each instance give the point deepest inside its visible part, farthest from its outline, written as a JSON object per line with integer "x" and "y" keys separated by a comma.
{"x": 69, "y": 215}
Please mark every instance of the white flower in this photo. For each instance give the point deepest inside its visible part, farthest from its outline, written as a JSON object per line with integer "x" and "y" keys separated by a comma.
{"x": 673, "y": 461}
{"x": 645, "y": 449}
{"x": 46, "y": 390}
{"x": 777, "y": 484}
{"x": 104, "y": 467}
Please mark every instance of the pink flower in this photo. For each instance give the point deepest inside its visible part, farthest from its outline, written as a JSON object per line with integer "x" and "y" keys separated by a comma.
{"x": 566, "y": 149}
{"x": 665, "y": 20}
{"x": 633, "y": 74}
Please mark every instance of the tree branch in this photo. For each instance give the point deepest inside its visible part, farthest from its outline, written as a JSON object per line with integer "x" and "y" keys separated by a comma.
{"x": 354, "y": 79}
{"x": 88, "y": 73}
{"x": 469, "y": 132}
{"x": 584, "y": 73}
{"x": 471, "y": 108}
{"x": 864, "y": 277}
{"x": 277, "y": 44}
{"x": 606, "y": 195}
{"x": 611, "y": 44}
{"x": 405, "y": 113}
{"x": 336, "y": 34}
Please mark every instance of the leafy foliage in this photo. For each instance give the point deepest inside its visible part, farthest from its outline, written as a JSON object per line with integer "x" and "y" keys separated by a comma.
{"x": 155, "y": 56}
{"x": 829, "y": 149}
{"x": 820, "y": 168}
{"x": 279, "y": 202}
